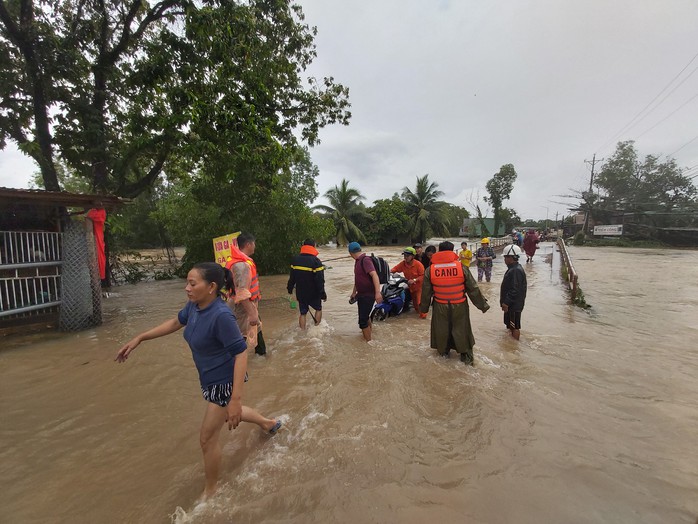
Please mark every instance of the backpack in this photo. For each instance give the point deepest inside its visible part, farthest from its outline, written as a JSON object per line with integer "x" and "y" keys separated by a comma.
{"x": 382, "y": 268}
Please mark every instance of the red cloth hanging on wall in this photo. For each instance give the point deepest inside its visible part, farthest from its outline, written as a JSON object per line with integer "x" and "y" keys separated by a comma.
{"x": 98, "y": 217}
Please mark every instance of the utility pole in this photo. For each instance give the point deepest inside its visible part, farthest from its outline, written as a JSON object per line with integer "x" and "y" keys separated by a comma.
{"x": 547, "y": 210}
{"x": 593, "y": 162}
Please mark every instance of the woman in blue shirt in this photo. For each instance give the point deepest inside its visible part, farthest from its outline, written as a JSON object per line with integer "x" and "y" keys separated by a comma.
{"x": 220, "y": 356}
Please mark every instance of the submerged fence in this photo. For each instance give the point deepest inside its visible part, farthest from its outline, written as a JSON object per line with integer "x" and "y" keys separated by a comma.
{"x": 572, "y": 279}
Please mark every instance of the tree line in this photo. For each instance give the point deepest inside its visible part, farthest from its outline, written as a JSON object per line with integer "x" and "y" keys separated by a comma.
{"x": 645, "y": 193}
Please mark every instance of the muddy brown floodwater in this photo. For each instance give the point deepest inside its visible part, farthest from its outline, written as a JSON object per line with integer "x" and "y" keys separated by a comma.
{"x": 592, "y": 417}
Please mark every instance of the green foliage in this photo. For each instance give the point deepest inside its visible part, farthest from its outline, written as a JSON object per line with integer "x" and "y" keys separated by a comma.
{"x": 136, "y": 225}
{"x": 510, "y": 218}
{"x": 344, "y": 210}
{"x": 456, "y": 215}
{"x": 499, "y": 188}
{"x": 388, "y": 220}
{"x": 68, "y": 180}
{"x": 658, "y": 192}
{"x": 579, "y": 299}
{"x": 199, "y": 209}
{"x": 121, "y": 90}
{"x": 579, "y": 238}
{"x": 428, "y": 215}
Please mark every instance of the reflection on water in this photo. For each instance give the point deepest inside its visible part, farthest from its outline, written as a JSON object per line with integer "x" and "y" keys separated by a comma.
{"x": 591, "y": 417}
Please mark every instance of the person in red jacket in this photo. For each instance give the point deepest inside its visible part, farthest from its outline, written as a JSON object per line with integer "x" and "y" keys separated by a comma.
{"x": 414, "y": 273}
{"x": 530, "y": 244}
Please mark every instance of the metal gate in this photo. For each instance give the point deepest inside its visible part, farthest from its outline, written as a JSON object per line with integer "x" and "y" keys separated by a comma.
{"x": 30, "y": 273}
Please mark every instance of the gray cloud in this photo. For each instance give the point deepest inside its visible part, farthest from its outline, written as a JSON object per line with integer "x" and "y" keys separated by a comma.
{"x": 465, "y": 87}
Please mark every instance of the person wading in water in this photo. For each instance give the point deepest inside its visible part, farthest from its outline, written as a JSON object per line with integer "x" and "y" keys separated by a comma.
{"x": 220, "y": 356}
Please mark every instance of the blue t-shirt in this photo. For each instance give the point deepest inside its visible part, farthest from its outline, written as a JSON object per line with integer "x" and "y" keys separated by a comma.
{"x": 214, "y": 338}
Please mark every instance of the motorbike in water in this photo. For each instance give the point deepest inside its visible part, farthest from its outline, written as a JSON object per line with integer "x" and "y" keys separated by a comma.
{"x": 394, "y": 298}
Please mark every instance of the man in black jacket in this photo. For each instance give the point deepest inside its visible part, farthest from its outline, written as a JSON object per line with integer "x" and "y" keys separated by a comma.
{"x": 512, "y": 294}
{"x": 308, "y": 277}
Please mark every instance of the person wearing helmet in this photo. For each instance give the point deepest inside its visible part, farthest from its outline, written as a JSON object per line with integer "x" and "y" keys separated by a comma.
{"x": 512, "y": 293}
{"x": 484, "y": 255}
{"x": 414, "y": 273}
{"x": 419, "y": 252}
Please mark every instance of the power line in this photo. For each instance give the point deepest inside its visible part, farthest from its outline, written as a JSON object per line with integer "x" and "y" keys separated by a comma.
{"x": 679, "y": 149}
{"x": 629, "y": 124}
{"x": 670, "y": 114}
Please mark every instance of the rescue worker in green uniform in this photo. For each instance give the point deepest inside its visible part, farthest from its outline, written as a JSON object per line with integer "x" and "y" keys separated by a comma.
{"x": 448, "y": 283}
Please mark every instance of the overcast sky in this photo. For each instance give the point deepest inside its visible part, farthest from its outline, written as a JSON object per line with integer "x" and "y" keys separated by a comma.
{"x": 458, "y": 88}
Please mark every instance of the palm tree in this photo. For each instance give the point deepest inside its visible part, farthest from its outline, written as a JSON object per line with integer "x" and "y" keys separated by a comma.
{"x": 427, "y": 214}
{"x": 343, "y": 208}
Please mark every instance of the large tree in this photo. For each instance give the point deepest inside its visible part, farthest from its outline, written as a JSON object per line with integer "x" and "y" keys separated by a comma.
{"x": 428, "y": 215}
{"x": 627, "y": 183}
{"x": 388, "y": 220}
{"x": 509, "y": 218}
{"x": 344, "y": 209}
{"x": 456, "y": 218}
{"x": 197, "y": 209}
{"x": 117, "y": 89}
{"x": 499, "y": 188}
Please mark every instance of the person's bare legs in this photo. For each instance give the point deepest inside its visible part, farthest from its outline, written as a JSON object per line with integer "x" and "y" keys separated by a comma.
{"x": 253, "y": 416}
{"x": 209, "y": 438}
{"x": 367, "y": 333}
{"x": 516, "y": 333}
{"x": 318, "y": 317}
{"x": 301, "y": 321}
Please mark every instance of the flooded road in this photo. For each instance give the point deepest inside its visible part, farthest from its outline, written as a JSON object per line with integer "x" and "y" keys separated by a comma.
{"x": 591, "y": 417}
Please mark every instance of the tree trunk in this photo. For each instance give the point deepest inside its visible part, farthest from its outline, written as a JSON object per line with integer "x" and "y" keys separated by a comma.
{"x": 25, "y": 37}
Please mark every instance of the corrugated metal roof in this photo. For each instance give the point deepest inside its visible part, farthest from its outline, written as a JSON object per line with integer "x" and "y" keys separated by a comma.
{"x": 63, "y": 198}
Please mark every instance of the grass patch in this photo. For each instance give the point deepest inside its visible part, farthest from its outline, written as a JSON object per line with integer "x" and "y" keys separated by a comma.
{"x": 579, "y": 299}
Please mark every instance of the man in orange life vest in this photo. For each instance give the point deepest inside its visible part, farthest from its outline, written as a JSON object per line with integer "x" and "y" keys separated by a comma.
{"x": 448, "y": 283}
{"x": 244, "y": 300}
{"x": 414, "y": 273}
